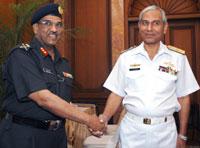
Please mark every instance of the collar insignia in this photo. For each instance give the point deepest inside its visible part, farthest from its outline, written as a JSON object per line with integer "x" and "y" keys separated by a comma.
{"x": 43, "y": 51}
{"x": 67, "y": 75}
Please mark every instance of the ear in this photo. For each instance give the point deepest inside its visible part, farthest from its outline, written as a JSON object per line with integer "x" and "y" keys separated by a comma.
{"x": 35, "y": 28}
{"x": 165, "y": 28}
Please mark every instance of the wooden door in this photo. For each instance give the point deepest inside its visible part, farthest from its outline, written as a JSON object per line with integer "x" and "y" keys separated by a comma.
{"x": 185, "y": 34}
{"x": 89, "y": 52}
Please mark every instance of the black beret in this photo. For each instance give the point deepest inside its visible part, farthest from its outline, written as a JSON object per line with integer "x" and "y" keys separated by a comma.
{"x": 48, "y": 9}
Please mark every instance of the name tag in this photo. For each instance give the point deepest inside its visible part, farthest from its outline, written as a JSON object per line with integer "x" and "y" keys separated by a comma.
{"x": 47, "y": 70}
{"x": 134, "y": 69}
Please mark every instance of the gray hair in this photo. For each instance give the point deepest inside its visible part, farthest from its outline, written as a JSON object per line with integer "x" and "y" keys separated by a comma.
{"x": 153, "y": 7}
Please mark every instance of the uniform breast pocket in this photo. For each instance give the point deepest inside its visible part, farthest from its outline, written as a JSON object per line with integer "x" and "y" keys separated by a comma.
{"x": 166, "y": 76}
{"x": 164, "y": 81}
{"x": 51, "y": 81}
{"x": 65, "y": 88}
{"x": 135, "y": 81}
{"x": 68, "y": 82}
{"x": 64, "y": 82}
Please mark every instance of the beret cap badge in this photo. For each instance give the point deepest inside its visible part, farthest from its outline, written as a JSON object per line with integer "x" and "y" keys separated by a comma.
{"x": 60, "y": 10}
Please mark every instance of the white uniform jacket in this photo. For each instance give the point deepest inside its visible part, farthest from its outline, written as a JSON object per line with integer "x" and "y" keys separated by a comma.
{"x": 151, "y": 87}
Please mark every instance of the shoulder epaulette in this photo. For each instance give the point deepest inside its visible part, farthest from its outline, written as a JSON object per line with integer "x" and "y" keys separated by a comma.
{"x": 24, "y": 46}
{"x": 178, "y": 50}
{"x": 128, "y": 49}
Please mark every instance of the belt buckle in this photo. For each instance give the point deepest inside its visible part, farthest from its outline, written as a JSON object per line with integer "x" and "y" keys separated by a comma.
{"x": 147, "y": 121}
{"x": 54, "y": 125}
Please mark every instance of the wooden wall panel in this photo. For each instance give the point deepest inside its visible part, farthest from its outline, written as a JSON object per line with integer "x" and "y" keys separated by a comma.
{"x": 182, "y": 35}
{"x": 117, "y": 28}
{"x": 90, "y": 51}
{"x": 171, "y": 7}
{"x": 134, "y": 38}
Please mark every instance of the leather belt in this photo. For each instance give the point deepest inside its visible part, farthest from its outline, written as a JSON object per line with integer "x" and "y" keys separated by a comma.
{"x": 51, "y": 125}
{"x": 150, "y": 121}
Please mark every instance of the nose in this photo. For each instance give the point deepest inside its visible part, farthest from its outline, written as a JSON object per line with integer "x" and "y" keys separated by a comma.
{"x": 54, "y": 28}
{"x": 149, "y": 26}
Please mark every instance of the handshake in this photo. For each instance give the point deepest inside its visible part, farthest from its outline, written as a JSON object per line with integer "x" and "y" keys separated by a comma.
{"x": 97, "y": 125}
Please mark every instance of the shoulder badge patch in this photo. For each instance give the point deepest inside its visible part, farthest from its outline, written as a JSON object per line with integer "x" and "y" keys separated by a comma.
{"x": 178, "y": 50}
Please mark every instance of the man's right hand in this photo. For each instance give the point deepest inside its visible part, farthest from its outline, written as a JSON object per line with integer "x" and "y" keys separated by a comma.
{"x": 99, "y": 133}
{"x": 95, "y": 126}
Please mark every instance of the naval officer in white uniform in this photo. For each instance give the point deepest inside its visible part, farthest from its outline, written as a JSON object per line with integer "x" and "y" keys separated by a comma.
{"x": 152, "y": 81}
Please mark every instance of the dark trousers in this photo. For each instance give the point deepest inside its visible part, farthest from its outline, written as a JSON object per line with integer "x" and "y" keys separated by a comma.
{"x": 13, "y": 135}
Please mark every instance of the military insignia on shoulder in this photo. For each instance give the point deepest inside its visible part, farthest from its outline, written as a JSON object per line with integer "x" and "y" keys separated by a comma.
{"x": 25, "y": 46}
{"x": 178, "y": 50}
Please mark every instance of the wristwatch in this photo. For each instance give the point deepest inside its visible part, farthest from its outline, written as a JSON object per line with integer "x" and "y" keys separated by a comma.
{"x": 182, "y": 137}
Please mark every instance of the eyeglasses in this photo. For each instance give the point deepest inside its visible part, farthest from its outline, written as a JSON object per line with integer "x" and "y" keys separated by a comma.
{"x": 48, "y": 23}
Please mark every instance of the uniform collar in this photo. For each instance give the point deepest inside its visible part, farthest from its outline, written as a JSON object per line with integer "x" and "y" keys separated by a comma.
{"x": 140, "y": 49}
{"x": 163, "y": 49}
{"x": 40, "y": 50}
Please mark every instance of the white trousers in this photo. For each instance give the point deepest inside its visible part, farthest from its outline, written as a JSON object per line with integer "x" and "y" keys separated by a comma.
{"x": 140, "y": 135}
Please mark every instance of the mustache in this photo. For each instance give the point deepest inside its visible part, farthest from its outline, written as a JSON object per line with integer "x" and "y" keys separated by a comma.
{"x": 53, "y": 33}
